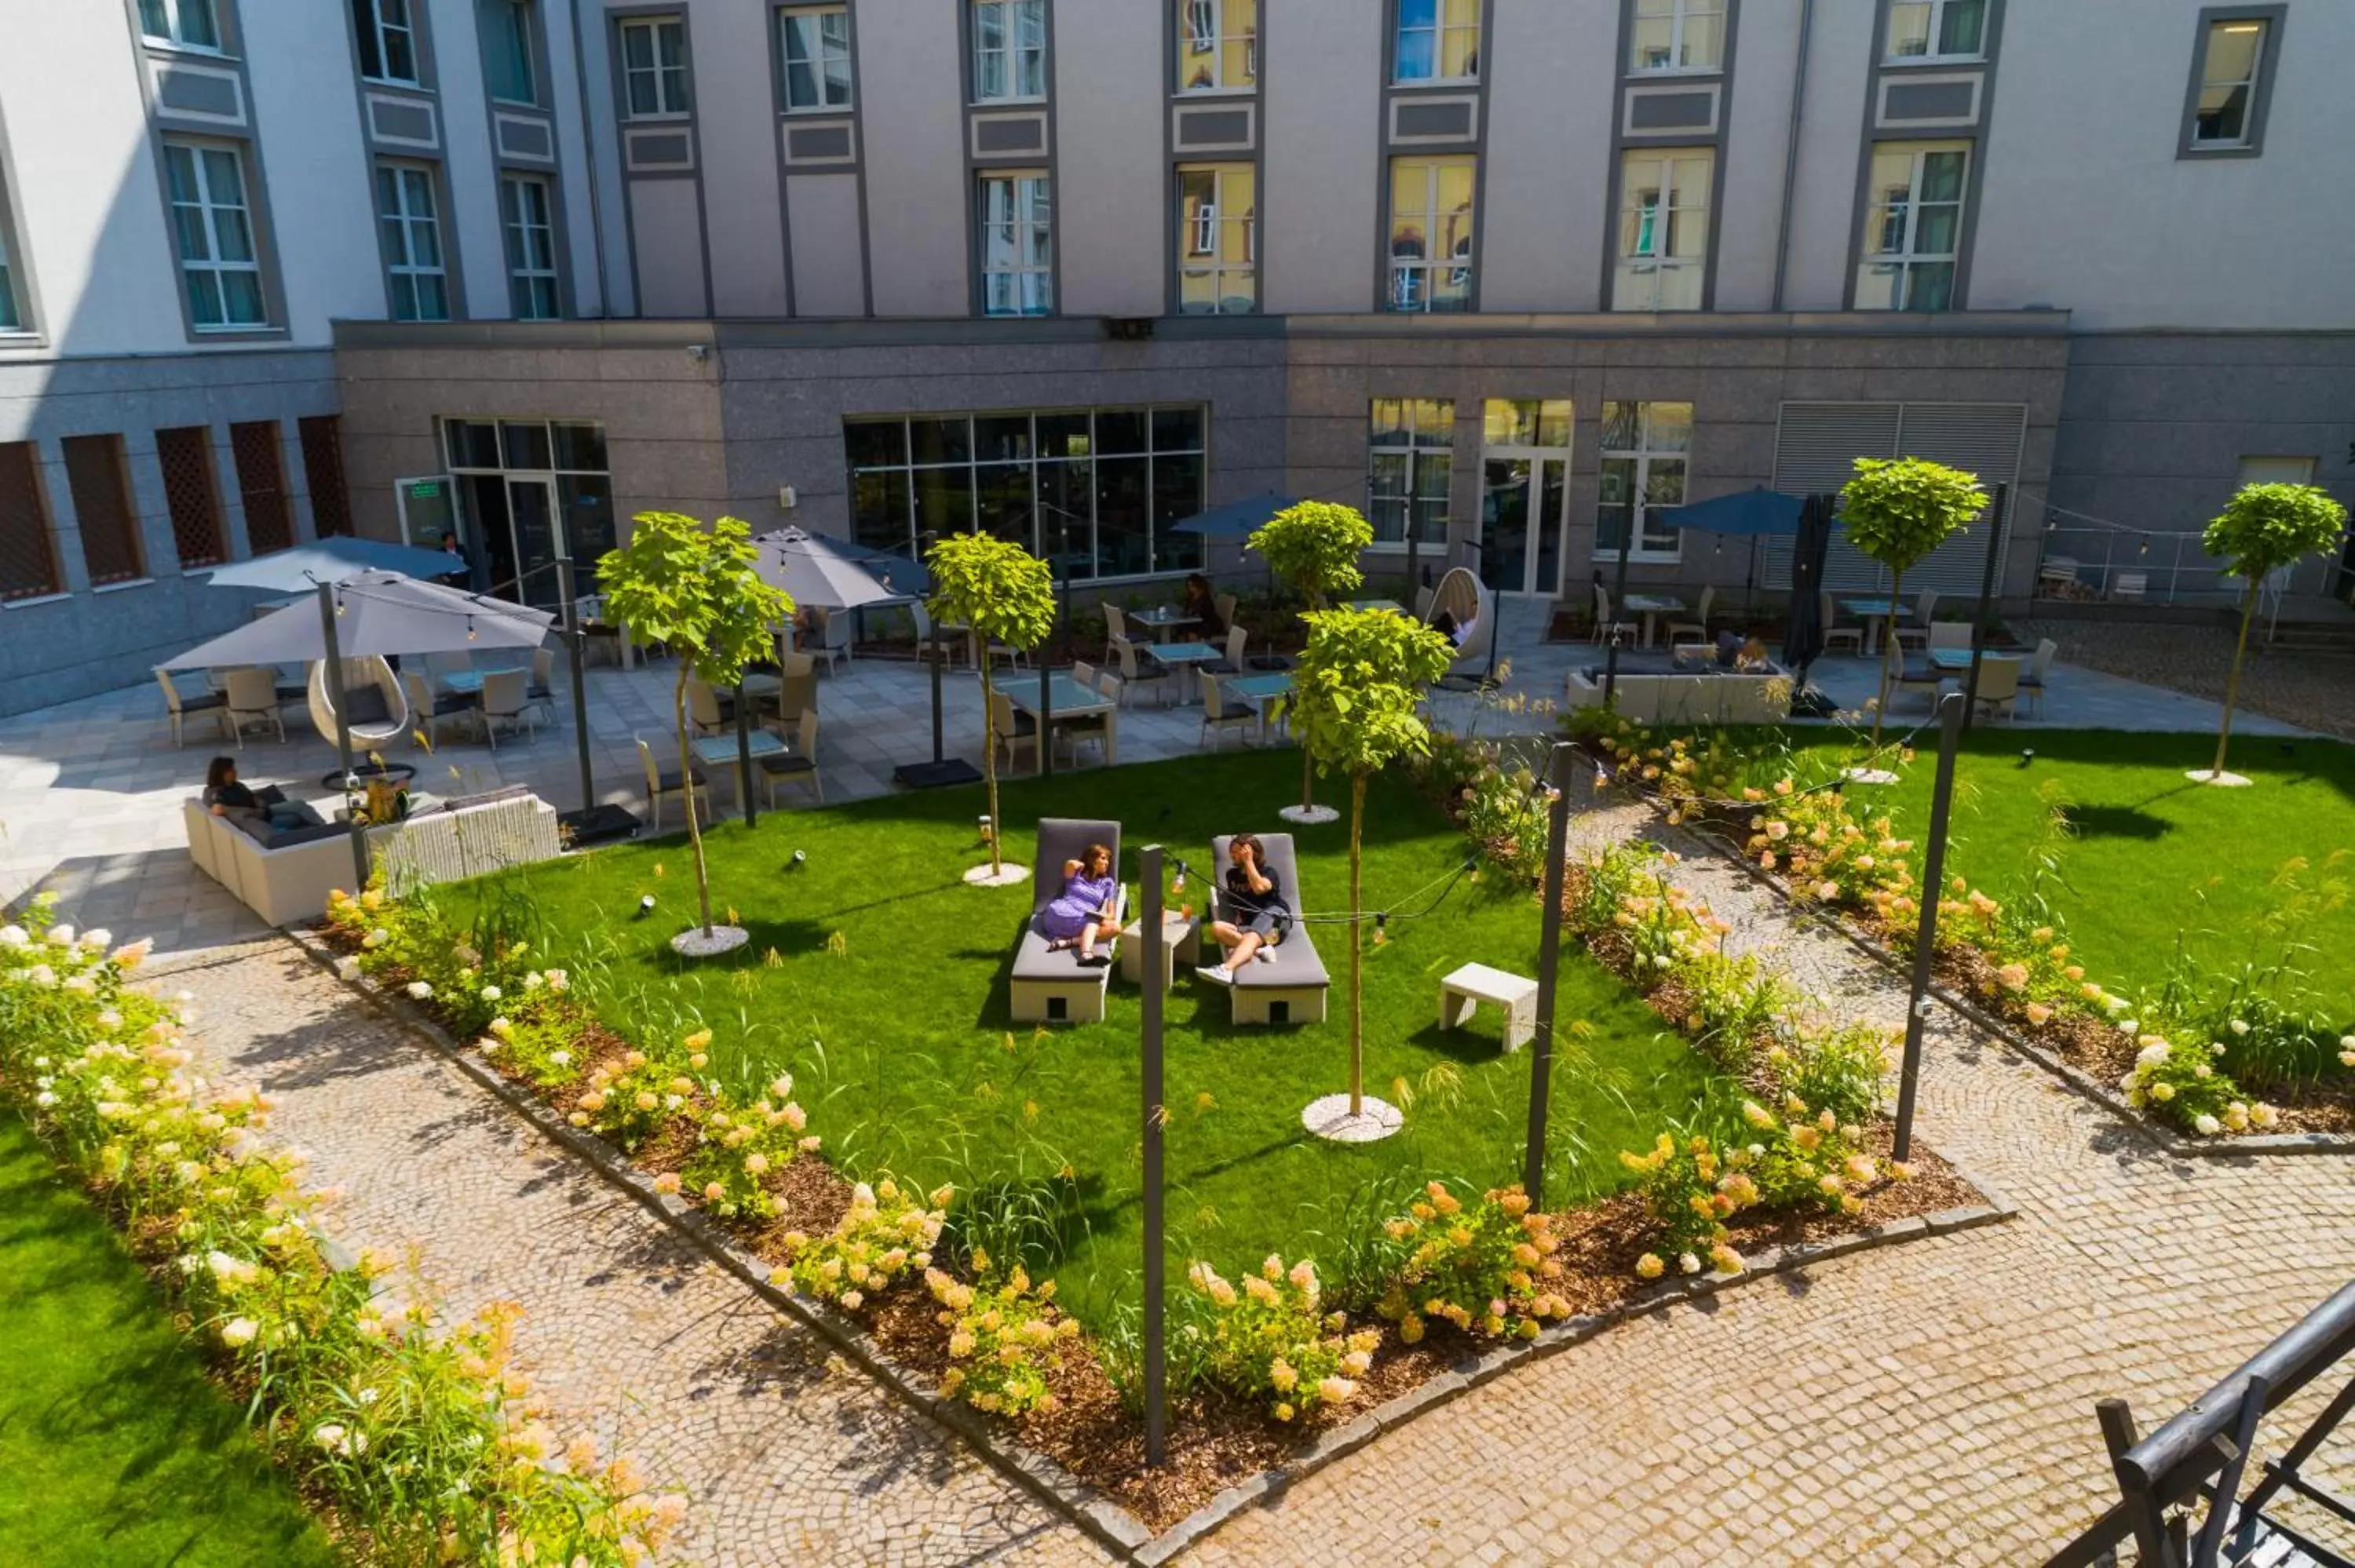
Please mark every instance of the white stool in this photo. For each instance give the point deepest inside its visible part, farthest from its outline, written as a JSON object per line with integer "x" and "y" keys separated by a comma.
{"x": 1467, "y": 988}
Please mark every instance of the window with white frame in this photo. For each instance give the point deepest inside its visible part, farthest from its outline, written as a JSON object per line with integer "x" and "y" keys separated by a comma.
{"x": 1411, "y": 462}
{"x": 1913, "y": 226}
{"x": 1218, "y": 46}
{"x": 189, "y": 24}
{"x": 212, "y": 225}
{"x": 1678, "y": 35}
{"x": 1663, "y": 228}
{"x": 387, "y": 32}
{"x": 653, "y": 68}
{"x": 1009, "y": 50}
{"x": 410, "y": 220}
{"x": 509, "y": 64}
{"x": 2232, "y": 60}
{"x": 1437, "y": 40}
{"x": 532, "y": 292}
{"x": 1218, "y": 239}
{"x": 1015, "y": 209}
{"x": 816, "y": 47}
{"x": 1937, "y": 29}
{"x": 1645, "y": 448}
{"x": 1431, "y": 233}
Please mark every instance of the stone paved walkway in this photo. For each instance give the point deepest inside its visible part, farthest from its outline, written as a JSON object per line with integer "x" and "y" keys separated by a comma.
{"x": 1925, "y": 1404}
{"x": 786, "y": 1456}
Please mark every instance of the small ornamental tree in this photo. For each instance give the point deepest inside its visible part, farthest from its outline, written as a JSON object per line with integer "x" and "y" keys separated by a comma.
{"x": 696, "y": 590}
{"x": 1898, "y": 509}
{"x": 1007, "y": 596}
{"x": 2262, "y": 529}
{"x": 1355, "y": 694}
{"x": 1313, "y": 546}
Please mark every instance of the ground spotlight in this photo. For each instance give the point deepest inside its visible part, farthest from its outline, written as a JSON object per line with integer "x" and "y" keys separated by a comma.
{"x": 646, "y": 903}
{"x": 2027, "y": 755}
{"x": 801, "y": 858}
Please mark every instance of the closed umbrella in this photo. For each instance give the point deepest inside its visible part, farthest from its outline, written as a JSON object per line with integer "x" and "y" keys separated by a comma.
{"x": 1802, "y": 637}
{"x": 329, "y": 561}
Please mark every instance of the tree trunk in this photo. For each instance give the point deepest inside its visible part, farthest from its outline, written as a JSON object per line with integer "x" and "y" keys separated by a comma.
{"x": 1357, "y": 951}
{"x": 1307, "y": 776}
{"x": 2232, "y": 682}
{"x": 989, "y": 758}
{"x": 686, "y": 792}
{"x": 1889, "y": 646}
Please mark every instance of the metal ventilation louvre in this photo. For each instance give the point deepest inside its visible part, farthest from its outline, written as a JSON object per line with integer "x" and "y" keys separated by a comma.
{"x": 1816, "y": 446}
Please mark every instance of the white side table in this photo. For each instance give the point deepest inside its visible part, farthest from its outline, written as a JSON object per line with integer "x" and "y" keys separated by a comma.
{"x": 1467, "y": 988}
{"x": 1181, "y": 939}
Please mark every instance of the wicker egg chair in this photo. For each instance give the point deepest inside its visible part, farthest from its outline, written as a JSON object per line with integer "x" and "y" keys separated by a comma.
{"x": 371, "y": 673}
{"x": 1461, "y": 595}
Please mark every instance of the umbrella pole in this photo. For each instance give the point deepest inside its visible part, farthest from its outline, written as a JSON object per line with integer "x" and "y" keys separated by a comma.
{"x": 574, "y": 661}
{"x": 1618, "y": 608}
{"x": 335, "y": 674}
{"x": 744, "y": 757}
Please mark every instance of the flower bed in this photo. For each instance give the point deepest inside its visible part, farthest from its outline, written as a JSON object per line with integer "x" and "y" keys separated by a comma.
{"x": 423, "y": 1442}
{"x": 2175, "y": 1056}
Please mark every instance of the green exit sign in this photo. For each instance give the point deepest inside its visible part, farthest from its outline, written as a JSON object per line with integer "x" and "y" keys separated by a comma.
{"x": 425, "y": 490}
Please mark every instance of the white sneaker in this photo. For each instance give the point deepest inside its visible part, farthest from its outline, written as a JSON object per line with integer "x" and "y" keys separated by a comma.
{"x": 1217, "y": 974}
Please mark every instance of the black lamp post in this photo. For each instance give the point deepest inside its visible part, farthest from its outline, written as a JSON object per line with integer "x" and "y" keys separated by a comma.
{"x": 1951, "y": 707}
{"x": 1558, "y": 764}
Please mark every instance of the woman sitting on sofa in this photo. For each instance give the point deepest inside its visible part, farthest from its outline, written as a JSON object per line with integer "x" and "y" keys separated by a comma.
{"x": 267, "y": 807}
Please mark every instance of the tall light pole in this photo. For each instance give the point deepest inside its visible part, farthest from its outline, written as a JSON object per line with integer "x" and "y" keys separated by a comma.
{"x": 1151, "y": 937}
{"x": 1558, "y": 764}
{"x": 1951, "y": 707}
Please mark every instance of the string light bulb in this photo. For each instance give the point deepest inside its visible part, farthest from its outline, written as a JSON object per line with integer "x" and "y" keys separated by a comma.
{"x": 1381, "y": 928}
{"x": 469, "y": 628}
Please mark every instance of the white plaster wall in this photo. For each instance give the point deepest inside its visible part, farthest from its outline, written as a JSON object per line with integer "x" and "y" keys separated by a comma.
{"x": 827, "y": 280}
{"x": 669, "y": 247}
{"x": 1321, "y": 65}
{"x": 562, "y": 74}
{"x": 2087, "y": 206}
{"x": 1111, "y": 192}
{"x": 321, "y": 198}
{"x": 613, "y": 215}
{"x": 912, "y": 120}
{"x": 1548, "y": 192}
{"x": 1758, "y": 136}
{"x": 1831, "y": 141}
{"x": 468, "y": 172}
{"x": 737, "y": 123}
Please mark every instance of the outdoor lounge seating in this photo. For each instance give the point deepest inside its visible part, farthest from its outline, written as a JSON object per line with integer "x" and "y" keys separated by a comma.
{"x": 1049, "y": 984}
{"x": 375, "y": 708}
{"x": 1291, "y": 984}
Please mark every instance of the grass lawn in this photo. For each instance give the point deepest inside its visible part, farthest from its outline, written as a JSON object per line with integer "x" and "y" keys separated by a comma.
{"x": 2148, "y": 854}
{"x": 888, "y": 1000}
{"x": 114, "y": 1449}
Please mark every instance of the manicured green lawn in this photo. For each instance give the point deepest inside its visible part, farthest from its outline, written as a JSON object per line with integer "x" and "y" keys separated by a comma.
{"x": 2145, "y": 853}
{"x": 114, "y": 1449}
{"x": 887, "y": 1000}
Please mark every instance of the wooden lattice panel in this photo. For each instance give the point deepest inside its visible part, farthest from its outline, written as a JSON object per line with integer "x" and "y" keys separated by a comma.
{"x": 187, "y": 457}
{"x": 28, "y": 563}
{"x": 323, "y": 468}
{"x": 262, "y": 483}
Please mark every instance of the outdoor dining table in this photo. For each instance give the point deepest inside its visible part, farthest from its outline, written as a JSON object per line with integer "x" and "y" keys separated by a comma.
{"x": 1260, "y": 693}
{"x": 721, "y": 752}
{"x": 1162, "y": 621}
{"x": 1872, "y": 612}
{"x": 1072, "y": 699}
{"x": 1185, "y": 655}
{"x": 1953, "y": 658}
{"x": 466, "y": 682}
{"x": 1650, "y": 606}
{"x": 1391, "y": 605}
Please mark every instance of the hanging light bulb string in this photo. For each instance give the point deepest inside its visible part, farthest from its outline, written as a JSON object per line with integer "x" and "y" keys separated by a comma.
{"x": 1470, "y": 864}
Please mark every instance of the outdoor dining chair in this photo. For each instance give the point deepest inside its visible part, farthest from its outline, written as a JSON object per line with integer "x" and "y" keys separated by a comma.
{"x": 1834, "y": 632}
{"x": 1946, "y": 633}
{"x": 429, "y": 711}
{"x": 506, "y": 700}
{"x": 252, "y": 701}
{"x": 1225, "y": 604}
{"x": 1116, "y": 622}
{"x": 1233, "y": 663}
{"x": 1998, "y": 685}
{"x": 1010, "y": 727}
{"x": 442, "y": 666}
{"x": 1605, "y": 628}
{"x": 833, "y": 641}
{"x": 1138, "y": 669}
{"x": 178, "y": 705}
{"x": 1697, "y": 628}
{"x": 703, "y": 709}
{"x": 944, "y": 650}
{"x": 798, "y": 766}
{"x": 661, "y": 782}
{"x": 1218, "y": 719}
{"x": 1915, "y": 632}
{"x": 541, "y": 691}
{"x": 2040, "y": 664}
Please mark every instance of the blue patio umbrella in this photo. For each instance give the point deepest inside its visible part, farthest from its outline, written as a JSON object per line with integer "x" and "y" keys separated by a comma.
{"x": 1756, "y": 511}
{"x": 331, "y": 561}
{"x": 1237, "y": 520}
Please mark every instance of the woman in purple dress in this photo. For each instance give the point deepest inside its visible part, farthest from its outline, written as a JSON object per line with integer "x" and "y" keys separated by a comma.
{"x": 1087, "y": 911}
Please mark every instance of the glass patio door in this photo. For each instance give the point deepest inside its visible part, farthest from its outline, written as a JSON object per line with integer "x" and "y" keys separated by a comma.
{"x": 1524, "y": 507}
{"x": 538, "y": 541}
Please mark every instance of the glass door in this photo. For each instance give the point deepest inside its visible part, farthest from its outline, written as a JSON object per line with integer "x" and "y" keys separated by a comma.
{"x": 531, "y": 512}
{"x": 1524, "y": 507}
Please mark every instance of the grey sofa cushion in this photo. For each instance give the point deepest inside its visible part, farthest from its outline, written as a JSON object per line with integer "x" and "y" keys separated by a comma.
{"x": 1295, "y": 962}
{"x": 1060, "y": 839}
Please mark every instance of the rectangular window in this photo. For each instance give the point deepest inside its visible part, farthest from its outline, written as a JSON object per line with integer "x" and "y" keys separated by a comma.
{"x": 12, "y": 315}
{"x": 388, "y": 39}
{"x": 1678, "y": 35}
{"x": 1218, "y": 46}
{"x": 261, "y": 485}
{"x": 653, "y": 68}
{"x": 509, "y": 63}
{"x": 1913, "y": 226}
{"x": 1218, "y": 239}
{"x": 1094, "y": 492}
{"x": 1644, "y": 472}
{"x": 1438, "y": 40}
{"x": 532, "y": 292}
{"x": 1431, "y": 233}
{"x": 1412, "y": 460}
{"x": 1663, "y": 228}
{"x": 1018, "y": 244}
{"x": 186, "y": 456}
{"x": 1937, "y": 29}
{"x": 817, "y": 41}
{"x": 213, "y": 228}
{"x": 323, "y": 474}
{"x": 1526, "y": 422}
{"x": 1009, "y": 50}
{"x": 2231, "y": 65}
{"x": 28, "y": 559}
{"x": 409, "y": 217}
{"x": 103, "y": 510}
{"x": 188, "y": 24}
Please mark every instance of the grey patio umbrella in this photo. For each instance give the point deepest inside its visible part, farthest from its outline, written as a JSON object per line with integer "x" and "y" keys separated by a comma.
{"x": 364, "y": 613}
{"x": 331, "y": 560}
{"x": 834, "y": 574}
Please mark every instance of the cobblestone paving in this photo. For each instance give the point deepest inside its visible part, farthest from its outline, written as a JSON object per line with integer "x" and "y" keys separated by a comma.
{"x": 787, "y": 1456}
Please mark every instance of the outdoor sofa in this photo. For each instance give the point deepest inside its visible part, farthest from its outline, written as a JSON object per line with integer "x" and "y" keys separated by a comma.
{"x": 1290, "y": 986}
{"x": 1701, "y": 697}
{"x": 285, "y": 875}
{"x": 1049, "y": 984}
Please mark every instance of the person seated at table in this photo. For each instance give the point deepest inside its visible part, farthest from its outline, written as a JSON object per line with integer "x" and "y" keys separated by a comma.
{"x": 1257, "y": 916}
{"x": 1088, "y": 909}
{"x": 1202, "y": 604}
{"x": 809, "y": 626}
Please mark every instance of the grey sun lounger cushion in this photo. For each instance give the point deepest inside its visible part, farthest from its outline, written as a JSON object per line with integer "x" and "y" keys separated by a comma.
{"x": 1060, "y": 839}
{"x": 1296, "y": 964}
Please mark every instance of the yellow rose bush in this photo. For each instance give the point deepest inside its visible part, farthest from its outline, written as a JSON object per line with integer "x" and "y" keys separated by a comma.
{"x": 1271, "y": 1339}
{"x": 1489, "y": 1267}
{"x": 1004, "y": 1336}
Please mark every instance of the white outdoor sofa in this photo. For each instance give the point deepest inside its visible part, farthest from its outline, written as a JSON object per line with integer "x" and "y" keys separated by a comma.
{"x": 285, "y": 876}
{"x": 1718, "y": 697}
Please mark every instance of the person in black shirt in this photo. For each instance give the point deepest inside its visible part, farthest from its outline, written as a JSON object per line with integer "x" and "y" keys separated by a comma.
{"x": 1257, "y": 916}
{"x": 223, "y": 793}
